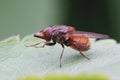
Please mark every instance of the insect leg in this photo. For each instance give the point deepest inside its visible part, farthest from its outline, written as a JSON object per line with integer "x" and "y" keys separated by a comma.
{"x": 33, "y": 45}
{"x": 61, "y": 55}
{"x": 46, "y": 43}
{"x": 84, "y": 55}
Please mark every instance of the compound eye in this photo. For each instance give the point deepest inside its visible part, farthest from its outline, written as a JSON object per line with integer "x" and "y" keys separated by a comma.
{"x": 48, "y": 33}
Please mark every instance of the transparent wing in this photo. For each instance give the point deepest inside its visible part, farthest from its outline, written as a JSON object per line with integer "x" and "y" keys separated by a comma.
{"x": 90, "y": 35}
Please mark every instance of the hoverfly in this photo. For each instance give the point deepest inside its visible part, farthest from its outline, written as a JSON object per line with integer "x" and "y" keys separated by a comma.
{"x": 67, "y": 36}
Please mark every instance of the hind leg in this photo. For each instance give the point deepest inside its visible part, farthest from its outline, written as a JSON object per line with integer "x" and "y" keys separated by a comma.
{"x": 84, "y": 55}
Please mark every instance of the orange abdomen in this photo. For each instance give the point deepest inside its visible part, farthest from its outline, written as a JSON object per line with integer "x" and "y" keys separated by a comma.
{"x": 79, "y": 43}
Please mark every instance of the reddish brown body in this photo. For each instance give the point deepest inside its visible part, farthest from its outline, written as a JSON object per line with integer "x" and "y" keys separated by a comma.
{"x": 67, "y": 35}
{"x": 79, "y": 43}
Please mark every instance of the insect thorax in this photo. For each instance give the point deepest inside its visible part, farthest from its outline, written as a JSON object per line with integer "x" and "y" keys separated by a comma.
{"x": 58, "y": 37}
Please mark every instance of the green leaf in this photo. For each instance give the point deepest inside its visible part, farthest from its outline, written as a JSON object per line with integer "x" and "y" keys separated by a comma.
{"x": 67, "y": 77}
{"x": 16, "y": 60}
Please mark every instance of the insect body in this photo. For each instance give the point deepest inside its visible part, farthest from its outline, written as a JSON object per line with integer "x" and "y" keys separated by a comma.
{"x": 67, "y": 35}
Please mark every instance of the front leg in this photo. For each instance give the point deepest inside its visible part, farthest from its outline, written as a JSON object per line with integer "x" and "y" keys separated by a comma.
{"x": 45, "y": 43}
{"x": 49, "y": 43}
{"x": 33, "y": 45}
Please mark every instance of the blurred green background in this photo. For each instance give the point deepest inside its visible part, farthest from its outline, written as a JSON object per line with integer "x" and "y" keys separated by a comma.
{"x": 28, "y": 16}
